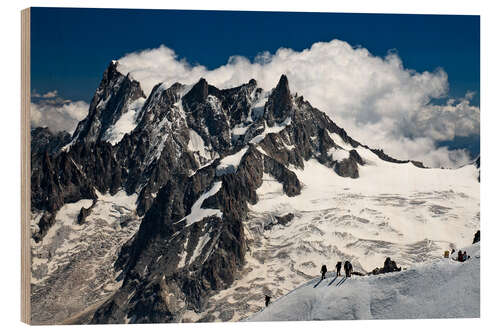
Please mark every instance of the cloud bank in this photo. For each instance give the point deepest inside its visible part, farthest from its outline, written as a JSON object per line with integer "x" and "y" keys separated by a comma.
{"x": 377, "y": 100}
{"x": 57, "y": 114}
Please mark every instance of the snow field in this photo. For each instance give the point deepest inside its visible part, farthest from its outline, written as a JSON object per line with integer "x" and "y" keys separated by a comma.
{"x": 71, "y": 255}
{"x": 442, "y": 288}
{"x": 398, "y": 210}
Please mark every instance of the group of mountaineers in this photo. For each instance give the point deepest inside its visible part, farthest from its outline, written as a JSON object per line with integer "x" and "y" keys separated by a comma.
{"x": 338, "y": 266}
{"x": 389, "y": 265}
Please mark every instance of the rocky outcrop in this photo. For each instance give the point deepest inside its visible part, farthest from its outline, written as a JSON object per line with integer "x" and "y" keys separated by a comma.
{"x": 279, "y": 105}
{"x": 383, "y": 156}
{"x": 477, "y": 237}
{"x": 84, "y": 213}
{"x": 46, "y": 221}
{"x": 166, "y": 258}
{"x": 477, "y": 163}
{"x": 279, "y": 220}
{"x": 56, "y": 180}
{"x": 348, "y": 167}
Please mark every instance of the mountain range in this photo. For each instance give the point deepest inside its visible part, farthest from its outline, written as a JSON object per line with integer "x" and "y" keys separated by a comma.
{"x": 192, "y": 202}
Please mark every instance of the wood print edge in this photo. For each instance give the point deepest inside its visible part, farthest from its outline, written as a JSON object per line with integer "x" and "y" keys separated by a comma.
{"x": 25, "y": 167}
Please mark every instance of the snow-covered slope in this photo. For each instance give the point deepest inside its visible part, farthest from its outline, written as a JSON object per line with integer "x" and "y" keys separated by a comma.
{"x": 443, "y": 288}
{"x": 72, "y": 267}
{"x": 408, "y": 213}
{"x": 238, "y": 192}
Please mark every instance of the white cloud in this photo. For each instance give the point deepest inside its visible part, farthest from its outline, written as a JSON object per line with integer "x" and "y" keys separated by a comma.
{"x": 377, "y": 100}
{"x": 50, "y": 94}
{"x": 58, "y": 117}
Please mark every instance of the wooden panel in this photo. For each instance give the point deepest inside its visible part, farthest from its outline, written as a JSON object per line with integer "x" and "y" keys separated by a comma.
{"x": 25, "y": 167}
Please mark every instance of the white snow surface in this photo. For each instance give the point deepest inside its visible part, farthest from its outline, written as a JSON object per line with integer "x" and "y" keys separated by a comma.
{"x": 442, "y": 288}
{"x": 198, "y": 213}
{"x": 388, "y": 207}
{"x": 71, "y": 255}
{"x": 240, "y": 130}
{"x": 126, "y": 123}
{"x": 199, "y": 247}
{"x": 392, "y": 210}
{"x": 274, "y": 129}
{"x": 338, "y": 154}
{"x": 230, "y": 163}
{"x": 196, "y": 144}
{"x": 339, "y": 141}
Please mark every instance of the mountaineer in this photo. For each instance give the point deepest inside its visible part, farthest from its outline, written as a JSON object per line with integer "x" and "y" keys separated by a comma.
{"x": 323, "y": 271}
{"x": 338, "y": 267}
{"x": 347, "y": 269}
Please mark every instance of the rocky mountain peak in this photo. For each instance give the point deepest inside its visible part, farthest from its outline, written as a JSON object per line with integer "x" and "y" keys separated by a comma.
{"x": 283, "y": 84}
{"x": 198, "y": 93}
{"x": 111, "y": 73}
{"x": 280, "y": 103}
{"x": 114, "y": 96}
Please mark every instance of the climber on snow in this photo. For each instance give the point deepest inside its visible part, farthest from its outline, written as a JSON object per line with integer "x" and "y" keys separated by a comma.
{"x": 267, "y": 299}
{"x": 338, "y": 267}
{"x": 347, "y": 269}
{"x": 323, "y": 272}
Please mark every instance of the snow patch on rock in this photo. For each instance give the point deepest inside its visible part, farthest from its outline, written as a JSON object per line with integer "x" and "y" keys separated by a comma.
{"x": 126, "y": 123}
{"x": 229, "y": 164}
{"x": 198, "y": 213}
{"x": 338, "y": 154}
{"x": 274, "y": 129}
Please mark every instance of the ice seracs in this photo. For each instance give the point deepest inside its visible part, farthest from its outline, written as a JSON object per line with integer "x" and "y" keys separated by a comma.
{"x": 72, "y": 267}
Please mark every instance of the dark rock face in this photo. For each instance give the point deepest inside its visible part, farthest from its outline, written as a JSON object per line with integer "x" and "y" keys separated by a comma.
{"x": 46, "y": 221}
{"x": 191, "y": 241}
{"x": 383, "y": 156}
{"x": 348, "y": 167}
{"x": 280, "y": 220}
{"x": 477, "y": 237}
{"x": 353, "y": 154}
{"x": 43, "y": 140}
{"x": 56, "y": 180}
{"x": 84, "y": 212}
{"x": 165, "y": 233}
{"x": 477, "y": 163}
{"x": 115, "y": 93}
{"x": 279, "y": 104}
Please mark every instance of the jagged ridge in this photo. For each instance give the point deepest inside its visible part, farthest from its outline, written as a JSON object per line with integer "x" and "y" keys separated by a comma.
{"x": 177, "y": 153}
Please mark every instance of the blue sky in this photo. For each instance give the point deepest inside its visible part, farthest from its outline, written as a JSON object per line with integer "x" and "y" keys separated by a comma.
{"x": 71, "y": 47}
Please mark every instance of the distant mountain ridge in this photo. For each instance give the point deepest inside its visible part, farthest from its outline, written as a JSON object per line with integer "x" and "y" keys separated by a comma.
{"x": 42, "y": 139}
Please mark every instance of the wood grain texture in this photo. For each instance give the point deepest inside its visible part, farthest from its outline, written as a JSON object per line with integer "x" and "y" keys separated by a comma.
{"x": 25, "y": 167}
